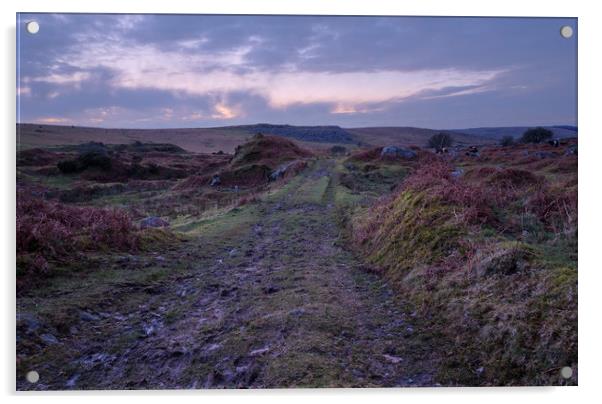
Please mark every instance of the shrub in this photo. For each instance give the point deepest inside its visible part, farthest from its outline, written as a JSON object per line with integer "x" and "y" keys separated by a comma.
{"x": 507, "y": 141}
{"x": 440, "y": 140}
{"x": 338, "y": 150}
{"x": 95, "y": 160}
{"x": 83, "y": 162}
{"x": 69, "y": 166}
{"x": 536, "y": 135}
{"x": 55, "y": 231}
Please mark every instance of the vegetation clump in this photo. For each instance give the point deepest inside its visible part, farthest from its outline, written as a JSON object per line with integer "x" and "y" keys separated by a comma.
{"x": 485, "y": 259}
{"x": 88, "y": 160}
{"x": 507, "y": 141}
{"x": 536, "y": 135}
{"x": 440, "y": 140}
{"x": 49, "y": 231}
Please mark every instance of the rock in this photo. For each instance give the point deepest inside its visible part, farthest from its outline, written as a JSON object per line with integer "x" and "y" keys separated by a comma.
{"x": 213, "y": 347}
{"x": 259, "y": 351}
{"x": 268, "y": 290}
{"x": 85, "y": 316}
{"x": 394, "y": 151}
{"x": 544, "y": 154}
{"x": 28, "y": 321}
{"x": 282, "y": 170}
{"x": 571, "y": 150}
{"x": 49, "y": 339}
{"x": 215, "y": 181}
{"x": 153, "y": 221}
{"x": 457, "y": 172}
{"x": 95, "y": 360}
{"x": 72, "y": 381}
{"x": 297, "y": 312}
{"x": 392, "y": 359}
{"x": 148, "y": 329}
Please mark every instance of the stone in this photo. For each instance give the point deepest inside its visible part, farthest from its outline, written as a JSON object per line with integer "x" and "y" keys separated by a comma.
{"x": 153, "y": 221}
{"x": 260, "y": 351}
{"x": 215, "y": 181}
{"x": 49, "y": 339}
{"x": 571, "y": 150}
{"x": 457, "y": 173}
{"x": 544, "y": 154}
{"x": 392, "y": 359}
{"x": 28, "y": 321}
{"x": 394, "y": 151}
{"x": 85, "y": 316}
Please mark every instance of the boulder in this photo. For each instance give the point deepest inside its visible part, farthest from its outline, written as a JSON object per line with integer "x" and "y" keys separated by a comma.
{"x": 287, "y": 169}
{"x": 544, "y": 154}
{"x": 458, "y": 172}
{"x": 278, "y": 173}
{"x": 215, "y": 181}
{"x": 153, "y": 221}
{"x": 571, "y": 150}
{"x": 49, "y": 339}
{"x": 28, "y": 322}
{"x": 394, "y": 151}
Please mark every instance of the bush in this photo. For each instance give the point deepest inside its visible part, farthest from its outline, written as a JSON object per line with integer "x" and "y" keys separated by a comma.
{"x": 338, "y": 150}
{"x": 69, "y": 166}
{"x": 507, "y": 141}
{"x": 440, "y": 140}
{"x": 536, "y": 135}
{"x": 55, "y": 231}
{"x": 95, "y": 160}
{"x": 85, "y": 161}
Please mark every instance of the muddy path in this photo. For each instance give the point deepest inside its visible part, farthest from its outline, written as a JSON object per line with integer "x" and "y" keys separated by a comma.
{"x": 266, "y": 297}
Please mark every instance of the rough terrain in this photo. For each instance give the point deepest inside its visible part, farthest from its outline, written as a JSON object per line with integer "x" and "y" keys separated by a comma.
{"x": 263, "y": 296}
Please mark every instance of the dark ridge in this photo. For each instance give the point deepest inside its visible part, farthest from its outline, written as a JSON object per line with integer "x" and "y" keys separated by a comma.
{"x": 321, "y": 134}
{"x": 560, "y": 131}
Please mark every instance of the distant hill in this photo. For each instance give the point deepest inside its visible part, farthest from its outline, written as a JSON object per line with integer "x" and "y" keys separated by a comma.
{"x": 206, "y": 140}
{"x": 496, "y": 133}
{"x": 409, "y": 136}
{"x": 201, "y": 140}
{"x": 320, "y": 134}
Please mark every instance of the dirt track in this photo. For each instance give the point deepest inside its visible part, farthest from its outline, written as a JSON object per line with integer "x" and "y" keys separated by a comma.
{"x": 274, "y": 301}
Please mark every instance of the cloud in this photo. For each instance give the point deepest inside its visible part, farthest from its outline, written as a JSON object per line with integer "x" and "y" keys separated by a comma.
{"x": 219, "y": 73}
{"x": 223, "y": 111}
{"x": 75, "y": 78}
{"x": 23, "y": 91}
{"x": 53, "y": 120}
{"x": 157, "y": 70}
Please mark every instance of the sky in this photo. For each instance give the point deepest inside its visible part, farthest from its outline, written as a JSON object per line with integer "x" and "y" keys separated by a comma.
{"x": 168, "y": 71}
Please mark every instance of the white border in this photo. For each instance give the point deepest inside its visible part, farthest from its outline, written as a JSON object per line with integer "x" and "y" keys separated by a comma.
{"x": 590, "y": 125}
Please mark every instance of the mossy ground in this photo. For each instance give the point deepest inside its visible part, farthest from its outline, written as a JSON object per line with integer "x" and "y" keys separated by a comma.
{"x": 336, "y": 277}
{"x": 501, "y": 297}
{"x": 256, "y": 296}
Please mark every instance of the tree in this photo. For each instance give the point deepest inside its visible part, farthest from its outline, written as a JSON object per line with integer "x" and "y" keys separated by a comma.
{"x": 440, "y": 140}
{"x": 536, "y": 135}
{"x": 507, "y": 141}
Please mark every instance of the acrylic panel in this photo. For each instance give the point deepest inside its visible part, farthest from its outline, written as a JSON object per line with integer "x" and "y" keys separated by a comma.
{"x": 256, "y": 201}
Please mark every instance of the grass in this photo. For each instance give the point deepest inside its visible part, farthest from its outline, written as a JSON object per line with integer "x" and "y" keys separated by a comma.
{"x": 489, "y": 261}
